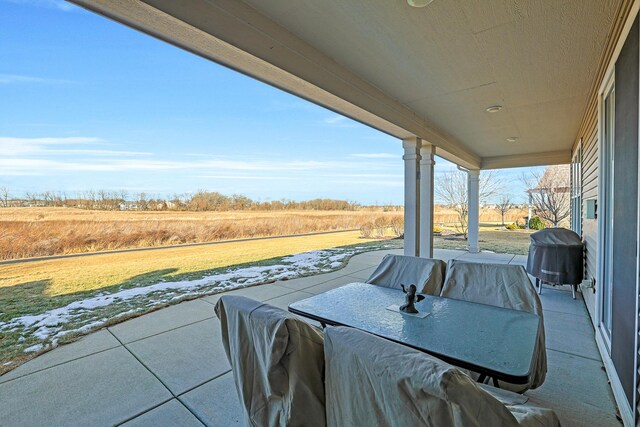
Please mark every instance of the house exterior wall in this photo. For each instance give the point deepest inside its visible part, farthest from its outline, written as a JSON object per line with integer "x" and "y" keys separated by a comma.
{"x": 589, "y": 189}
{"x": 589, "y": 139}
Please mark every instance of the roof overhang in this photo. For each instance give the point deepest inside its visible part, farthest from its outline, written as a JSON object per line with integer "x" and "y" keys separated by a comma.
{"x": 524, "y": 160}
{"x": 237, "y": 35}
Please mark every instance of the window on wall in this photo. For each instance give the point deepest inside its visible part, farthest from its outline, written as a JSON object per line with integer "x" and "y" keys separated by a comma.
{"x": 576, "y": 190}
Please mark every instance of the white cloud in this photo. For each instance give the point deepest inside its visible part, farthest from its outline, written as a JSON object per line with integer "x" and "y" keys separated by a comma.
{"x": 335, "y": 119}
{"x": 10, "y": 146}
{"x": 48, "y": 4}
{"x": 33, "y": 166}
{"x": 102, "y": 153}
{"x": 372, "y": 183}
{"x": 51, "y": 140}
{"x": 367, "y": 175}
{"x": 7, "y": 79}
{"x": 247, "y": 177}
{"x": 23, "y": 166}
{"x": 338, "y": 121}
{"x": 377, "y": 155}
{"x": 49, "y": 156}
{"x": 278, "y": 105}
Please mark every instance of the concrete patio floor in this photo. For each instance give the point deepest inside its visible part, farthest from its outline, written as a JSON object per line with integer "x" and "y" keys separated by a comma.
{"x": 169, "y": 368}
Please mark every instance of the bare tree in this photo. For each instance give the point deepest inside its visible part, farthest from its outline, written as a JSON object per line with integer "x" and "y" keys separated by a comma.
{"x": 549, "y": 193}
{"x": 200, "y": 201}
{"x": 122, "y": 197}
{"x": 451, "y": 189}
{"x": 32, "y": 198}
{"x": 91, "y": 200}
{"x": 504, "y": 205}
{"x": 142, "y": 201}
{"x": 4, "y": 197}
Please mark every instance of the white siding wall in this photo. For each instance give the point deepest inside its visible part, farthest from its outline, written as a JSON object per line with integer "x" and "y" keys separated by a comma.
{"x": 588, "y": 133}
{"x": 590, "y": 191}
{"x": 590, "y": 161}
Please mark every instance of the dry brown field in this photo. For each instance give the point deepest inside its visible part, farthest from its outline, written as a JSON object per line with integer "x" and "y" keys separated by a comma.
{"x": 47, "y": 231}
{"x": 447, "y": 216}
{"x": 34, "y": 232}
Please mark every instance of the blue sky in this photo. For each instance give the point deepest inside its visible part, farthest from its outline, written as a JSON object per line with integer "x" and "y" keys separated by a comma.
{"x": 86, "y": 103}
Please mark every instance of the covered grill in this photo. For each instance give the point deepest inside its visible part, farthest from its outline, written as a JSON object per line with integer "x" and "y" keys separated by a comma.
{"x": 555, "y": 256}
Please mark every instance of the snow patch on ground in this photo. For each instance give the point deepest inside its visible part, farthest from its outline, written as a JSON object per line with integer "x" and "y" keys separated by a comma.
{"x": 88, "y": 314}
{"x": 34, "y": 348}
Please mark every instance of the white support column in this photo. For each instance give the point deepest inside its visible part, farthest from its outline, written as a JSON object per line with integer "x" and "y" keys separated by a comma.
{"x": 529, "y": 211}
{"x": 427, "y": 164}
{"x": 473, "y": 222}
{"x": 411, "y": 195}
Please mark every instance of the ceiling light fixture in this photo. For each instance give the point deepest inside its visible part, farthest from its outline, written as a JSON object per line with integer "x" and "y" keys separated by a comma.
{"x": 512, "y": 139}
{"x": 419, "y": 3}
{"x": 494, "y": 108}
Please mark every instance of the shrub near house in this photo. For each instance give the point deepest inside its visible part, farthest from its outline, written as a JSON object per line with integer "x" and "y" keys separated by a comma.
{"x": 535, "y": 223}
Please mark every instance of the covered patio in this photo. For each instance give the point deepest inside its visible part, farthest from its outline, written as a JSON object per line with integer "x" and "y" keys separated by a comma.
{"x": 483, "y": 84}
{"x": 169, "y": 367}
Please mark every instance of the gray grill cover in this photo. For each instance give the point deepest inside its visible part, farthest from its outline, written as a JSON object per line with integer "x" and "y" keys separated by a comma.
{"x": 555, "y": 256}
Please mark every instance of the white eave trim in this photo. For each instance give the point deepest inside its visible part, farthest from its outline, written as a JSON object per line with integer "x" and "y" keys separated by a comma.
{"x": 525, "y": 160}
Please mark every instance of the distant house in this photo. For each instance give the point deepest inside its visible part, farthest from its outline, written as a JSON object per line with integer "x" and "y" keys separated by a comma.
{"x": 550, "y": 199}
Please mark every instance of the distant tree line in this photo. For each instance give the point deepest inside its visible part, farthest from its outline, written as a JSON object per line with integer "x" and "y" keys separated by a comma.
{"x": 199, "y": 201}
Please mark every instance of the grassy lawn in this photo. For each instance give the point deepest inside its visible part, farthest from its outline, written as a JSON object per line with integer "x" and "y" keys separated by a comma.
{"x": 490, "y": 239}
{"x": 35, "y": 286}
{"x": 39, "y": 287}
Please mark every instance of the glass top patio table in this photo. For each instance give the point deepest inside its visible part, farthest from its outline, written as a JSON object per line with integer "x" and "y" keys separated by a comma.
{"x": 494, "y": 341}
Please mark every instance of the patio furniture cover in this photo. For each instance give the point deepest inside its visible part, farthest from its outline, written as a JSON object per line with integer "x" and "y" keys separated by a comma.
{"x": 500, "y": 285}
{"x": 555, "y": 256}
{"x": 371, "y": 381}
{"x": 277, "y": 362}
{"x": 395, "y": 270}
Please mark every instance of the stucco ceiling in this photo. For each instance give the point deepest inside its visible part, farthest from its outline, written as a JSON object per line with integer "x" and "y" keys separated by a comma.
{"x": 449, "y": 61}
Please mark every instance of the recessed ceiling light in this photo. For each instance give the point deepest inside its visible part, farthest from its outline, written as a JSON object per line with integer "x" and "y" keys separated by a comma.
{"x": 512, "y": 139}
{"x": 494, "y": 108}
{"x": 419, "y": 3}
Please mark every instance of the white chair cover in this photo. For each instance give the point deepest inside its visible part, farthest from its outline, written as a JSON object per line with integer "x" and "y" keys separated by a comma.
{"x": 277, "y": 362}
{"x": 371, "y": 381}
{"x": 500, "y": 285}
{"x": 427, "y": 274}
